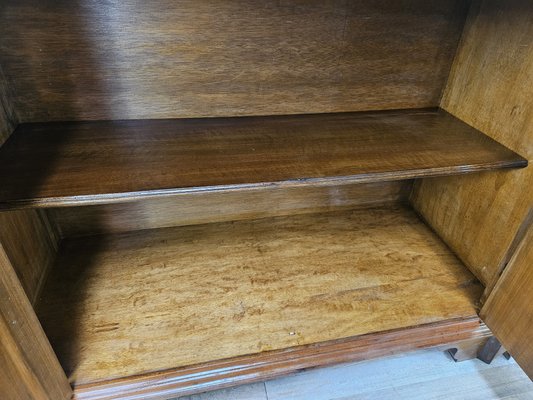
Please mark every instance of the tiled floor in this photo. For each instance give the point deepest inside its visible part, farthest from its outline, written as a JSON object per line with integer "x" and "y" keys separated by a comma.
{"x": 426, "y": 375}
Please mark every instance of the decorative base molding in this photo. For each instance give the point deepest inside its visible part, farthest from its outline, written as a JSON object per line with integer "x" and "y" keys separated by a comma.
{"x": 268, "y": 365}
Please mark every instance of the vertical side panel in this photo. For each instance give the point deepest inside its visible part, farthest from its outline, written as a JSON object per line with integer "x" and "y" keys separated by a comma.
{"x": 26, "y": 236}
{"x": 8, "y": 118}
{"x": 509, "y": 309}
{"x": 30, "y": 245}
{"x": 30, "y": 369}
{"x": 490, "y": 88}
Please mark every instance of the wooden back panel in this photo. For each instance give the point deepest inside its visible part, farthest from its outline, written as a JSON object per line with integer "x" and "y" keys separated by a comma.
{"x": 73, "y": 60}
{"x": 207, "y": 207}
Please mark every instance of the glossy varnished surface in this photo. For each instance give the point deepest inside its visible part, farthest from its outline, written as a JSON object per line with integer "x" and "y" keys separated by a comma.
{"x": 267, "y": 365}
{"x": 175, "y": 59}
{"x": 91, "y": 162}
{"x": 152, "y": 300}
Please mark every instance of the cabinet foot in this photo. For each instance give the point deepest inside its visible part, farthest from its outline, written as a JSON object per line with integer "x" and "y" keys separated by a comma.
{"x": 466, "y": 350}
{"x": 489, "y": 350}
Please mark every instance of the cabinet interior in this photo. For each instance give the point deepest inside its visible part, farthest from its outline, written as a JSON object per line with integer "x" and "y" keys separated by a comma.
{"x": 215, "y": 180}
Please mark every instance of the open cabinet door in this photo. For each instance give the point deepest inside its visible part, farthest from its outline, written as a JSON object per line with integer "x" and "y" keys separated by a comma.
{"x": 508, "y": 311}
{"x": 29, "y": 368}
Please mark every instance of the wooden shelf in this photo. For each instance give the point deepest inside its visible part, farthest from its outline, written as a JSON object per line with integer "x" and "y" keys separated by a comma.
{"x": 130, "y": 304}
{"x": 74, "y": 163}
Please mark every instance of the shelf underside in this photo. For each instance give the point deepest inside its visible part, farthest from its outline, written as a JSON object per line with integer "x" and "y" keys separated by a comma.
{"x": 127, "y": 304}
{"x": 73, "y": 163}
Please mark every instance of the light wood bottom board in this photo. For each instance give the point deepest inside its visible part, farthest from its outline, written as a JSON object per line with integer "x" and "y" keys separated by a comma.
{"x": 219, "y": 374}
{"x": 127, "y": 304}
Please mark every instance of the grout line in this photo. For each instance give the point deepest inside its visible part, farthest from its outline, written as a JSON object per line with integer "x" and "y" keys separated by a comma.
{"x": 266, "y": 393}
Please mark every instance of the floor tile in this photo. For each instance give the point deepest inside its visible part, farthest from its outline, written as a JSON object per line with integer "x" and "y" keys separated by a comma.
{"x": 422, "y": 375}
{"x": 254, "y": 391}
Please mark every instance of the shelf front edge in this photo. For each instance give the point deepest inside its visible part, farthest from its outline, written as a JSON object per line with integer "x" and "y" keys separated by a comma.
{"x": 112, "y": 198}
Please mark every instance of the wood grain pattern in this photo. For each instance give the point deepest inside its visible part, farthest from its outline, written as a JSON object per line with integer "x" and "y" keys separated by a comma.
{"x": 268, "y": 365}
{"x": 509, "y": 310}
{"x": 99, "y": 162}
{"x": 31, "y": 246}
{"x": 29, "y": 368}
{"x": 490, "y": 88}
{"x": 175, "y": 59}
{"x": 26, "y": 236}
{"x": 201, "y": 208}
{"x": 8, "y": 118}
{"x": 28, "y": 365}
{"x": 152, "y": 300}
